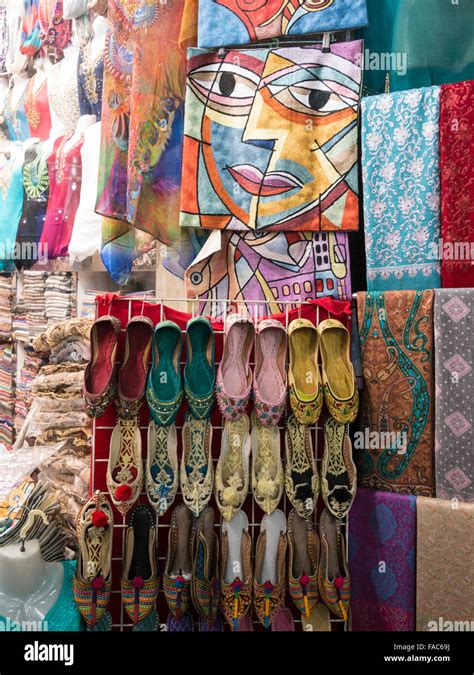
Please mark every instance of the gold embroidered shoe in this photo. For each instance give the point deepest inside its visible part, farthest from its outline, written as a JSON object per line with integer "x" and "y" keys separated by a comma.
{"x": 178, "y": 568}
{"x": 162, "y": 466}
{"x": 340, "y": 389}
{"x": 303, "y": 560}
{"x": 267, "y": 467}
{"x": 236, "y": 569}
{"x": 197, "y": 471}
{"x": 338, "y": 471}
{"x": 306, "y": 394}
{"x": 140, "y": 581}
{"x": 125, "y": 466}
{"x": 205, "y": 579}
{"x": 270, "y": 558}
{"x": 333, "y": 576}
{"x": 301, "y": 474}
{"x": 232, "y": 471}
{"x": 92, "y": 583}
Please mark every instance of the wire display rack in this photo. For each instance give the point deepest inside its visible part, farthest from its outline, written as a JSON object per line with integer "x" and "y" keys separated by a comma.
{"x": 157, "y": 309}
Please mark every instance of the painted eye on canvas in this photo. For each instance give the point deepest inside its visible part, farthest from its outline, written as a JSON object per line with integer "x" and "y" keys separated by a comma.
{"x": 225, "y": 83}
{"x": 311, "y": 96}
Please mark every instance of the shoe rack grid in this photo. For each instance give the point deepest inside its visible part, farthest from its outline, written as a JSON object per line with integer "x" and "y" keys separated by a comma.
{"x": 158, "y": 309}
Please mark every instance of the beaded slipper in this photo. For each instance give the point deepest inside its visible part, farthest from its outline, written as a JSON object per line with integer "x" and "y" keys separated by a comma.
{"x": 236, "y": 569}
{"x": 232, "y": 471}
{"x": 92, "y": 583}
{"x": 301, "y": 474}
{"x": 199, "y": 371}
{"x": 205, "y": 579}
{"x": 267, "y": 468}
{"x": 162, "y": 467}
{"x": 306, "y": 393}
{"x": 178, "y": 568}
{"x": 234, "y": 376}
{"x": 124, "y": 476}
{"x": 140, "y": 581}
{"x": 100, "y": 375}
{"x": 303, "y": 560}
{"x": 269, "y": 581}
{"x": 333, "y": 576}
{"x": 338, "y": 471}
{"x": 197, "y": 471}
{"x": 164, "y": 390}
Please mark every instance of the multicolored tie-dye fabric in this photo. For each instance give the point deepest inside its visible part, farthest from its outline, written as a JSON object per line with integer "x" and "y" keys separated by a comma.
{"x": 271, "y": 139}
{"x": 396, "y": 452}
{"x": 232, "y": 22}
{"x": 454, "y": 403}
{"x": 382, "y": 540}
{"x": 401, "y": 185}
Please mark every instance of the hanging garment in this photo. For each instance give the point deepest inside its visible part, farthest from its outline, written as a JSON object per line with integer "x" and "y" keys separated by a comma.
{"x": 230, "y": 22}
{"x": 454, "y": 404}
{"x": 15, "y": 60}
{"x": 3, "y": 37}
{"x": 11, "y": 200}
{"x": 37, "y": 109}
{"x": 457, "y": 184}
{"x": 90, "y": 74}
{"x": 35, "y": 200}
{"x": 142, "y": 118}
{"x": 396, "y": 341}
{"x": 56, "y": 32}
{"x": 271, "y": 139}
{"x": 15, "y": 118}
{"x": 273, "y": 268}
{"x": 401, "y": 186}
{"x": 31, "y": 29}
{"x": 444, "y": 571}
{"x": 65, "y": 174}
{"x": 382, "y": 552}
{"x": 63, "y": 94}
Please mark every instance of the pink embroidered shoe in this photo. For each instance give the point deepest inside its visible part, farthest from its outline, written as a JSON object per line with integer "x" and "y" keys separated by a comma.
{"x": 270, "y": 381}
{"x": 234, "y": 377}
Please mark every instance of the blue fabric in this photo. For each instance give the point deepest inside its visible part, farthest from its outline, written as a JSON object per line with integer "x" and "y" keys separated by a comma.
{"x": 401, "y": 187}
{"x": 11, "y": 202}
{"x": 220, "y": 26}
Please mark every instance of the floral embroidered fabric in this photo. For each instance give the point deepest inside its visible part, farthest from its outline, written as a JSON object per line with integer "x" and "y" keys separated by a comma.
{"x": 90, "y": 74}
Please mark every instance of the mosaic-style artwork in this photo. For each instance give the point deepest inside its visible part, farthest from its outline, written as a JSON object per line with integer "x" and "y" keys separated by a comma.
{"x": 271, "y": 139}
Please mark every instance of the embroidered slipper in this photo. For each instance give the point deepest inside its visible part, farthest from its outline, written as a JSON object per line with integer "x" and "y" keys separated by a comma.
{"x": 319, "y": 620}
{"x": 215, "y": 627}
{"x": 333, "y": 575}
{"x": 246, "y": 624}
{"x": 162, "y": 466}
{"x": 269, "y": 581}
{"x": 102, "y": 626}
{"x": 303, "y": 561}
{"x": 199, "y": 371}
{"x": 150, "y": 624}
{"x": 267, "y": 468}
{"x": 234, "y": 376}
{"x": 100, "y": 375}
{"x": 283, "y": 621}
{"x": 92, "y": 583}
{"x": 205, "y": 578}
{"x": 140, "y": 581}
{"x": 164, "y": 390}
{"x": 232, "y": 471}
{"x": 338, "y": 471}
{"x": 133, "y": 373}
{"x": 340, "y": 389}
{"x": 301, "y": 474}
{"x": 270, "y": 381}
{"x": 178, "y": 567}
{"x": 183, "y": 625}
{"x": 197, "y": 470}
{"x": 236, "y": 569}
{"x": 306, "y": 393}
{"x": 124, "y": 476}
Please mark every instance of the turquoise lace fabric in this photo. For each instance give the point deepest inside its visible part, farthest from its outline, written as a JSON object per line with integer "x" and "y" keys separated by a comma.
{"x": 63, "y": 615}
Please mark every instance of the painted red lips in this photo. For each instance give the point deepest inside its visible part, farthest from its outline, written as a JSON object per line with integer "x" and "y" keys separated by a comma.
{"x": 253, "y": 181}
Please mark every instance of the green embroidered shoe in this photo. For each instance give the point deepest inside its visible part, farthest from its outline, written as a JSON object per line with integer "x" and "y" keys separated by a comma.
{"x": 164, "y": 391}
{"x": 199, "y": 372}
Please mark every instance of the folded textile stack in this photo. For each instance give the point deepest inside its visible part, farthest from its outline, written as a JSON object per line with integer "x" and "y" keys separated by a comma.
{"x": 88, "y": 303}
{"x": 7, "y": 394}
{"x": 24, "y": 394}
{"x": 34, "y": 300}
{"x": 20, "y": 323}
{"x": 59, "y": 295}
{"x": 6, "y": 297}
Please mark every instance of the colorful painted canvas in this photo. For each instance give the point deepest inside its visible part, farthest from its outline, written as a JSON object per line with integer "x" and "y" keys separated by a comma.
{"x": 271, "y": 139}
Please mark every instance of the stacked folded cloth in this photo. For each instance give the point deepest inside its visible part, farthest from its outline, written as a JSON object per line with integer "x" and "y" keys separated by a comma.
{"x": 34, "y": 302}
{"x": 88, "y": 303}
{"x": 6, "y": 299}
{"x": 58, "y": 415}
{"x": 7, "y": 394}
{"x": 20, "y": 323}
{"x": 24, "y": 393}
{"x": 60, "y": 297}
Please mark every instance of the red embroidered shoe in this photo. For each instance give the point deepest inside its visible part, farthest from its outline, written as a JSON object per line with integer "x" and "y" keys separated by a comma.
{"x": 100, "y": 375}
{"x": 133, "y": 373}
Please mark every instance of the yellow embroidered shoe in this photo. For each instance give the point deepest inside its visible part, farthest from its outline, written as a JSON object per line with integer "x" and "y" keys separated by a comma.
{"x": 197, "y": 469}
{"x": 270, "y": 574}
{"x": 340, "y": 389}
{"x": 232, "y": 471}
{"x": 124, "y": 476}
{"x": 267, "y": 467}
{"x": 306, "y": 395}
{"x": 333, "y": 575}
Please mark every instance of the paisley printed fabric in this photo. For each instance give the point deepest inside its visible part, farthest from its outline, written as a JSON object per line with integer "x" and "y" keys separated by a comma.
{"x": 401, "y": 187}
{"x": 454, "y": 403}
{"x": 231, "y": 22}
{"x": 396, "y": 340}
{"x": 382, "y": 539}
{"x": 270, "y": 139}
{"x": 457, "y": 184}
{"x": 444, "y": 571}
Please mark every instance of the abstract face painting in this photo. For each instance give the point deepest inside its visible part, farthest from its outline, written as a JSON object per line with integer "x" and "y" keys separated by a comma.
{"x": 271, "y": 139}
{"x": 231, "y": 22}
